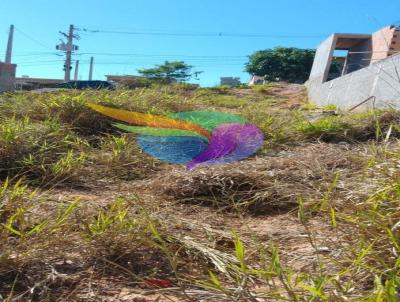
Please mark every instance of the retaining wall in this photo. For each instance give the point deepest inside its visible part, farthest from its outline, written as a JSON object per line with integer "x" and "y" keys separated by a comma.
{"x": 380, "y": 82}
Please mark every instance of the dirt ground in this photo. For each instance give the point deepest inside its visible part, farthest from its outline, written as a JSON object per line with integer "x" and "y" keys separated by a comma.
{"x": 183, "y": 199}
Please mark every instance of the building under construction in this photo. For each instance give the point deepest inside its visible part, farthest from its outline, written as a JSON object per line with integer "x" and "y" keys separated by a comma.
{"x": 369, "y": 71}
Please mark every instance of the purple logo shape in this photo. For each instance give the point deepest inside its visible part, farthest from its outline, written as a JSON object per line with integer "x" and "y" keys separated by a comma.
{"x": 228, "y": 143}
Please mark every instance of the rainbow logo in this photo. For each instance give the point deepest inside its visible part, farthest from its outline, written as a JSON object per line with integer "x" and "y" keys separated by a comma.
{"x": 193, "y": 138}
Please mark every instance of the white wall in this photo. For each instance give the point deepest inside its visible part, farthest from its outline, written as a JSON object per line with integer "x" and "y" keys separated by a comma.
{"x": 381, "y": 80}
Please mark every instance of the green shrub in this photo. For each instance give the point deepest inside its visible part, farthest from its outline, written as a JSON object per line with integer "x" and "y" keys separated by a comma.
{"x": 43, "y": 152}
{"x": 244, "y": 86}
{"x": 119, "y": 157}
{"x": 132, "y": 83}
{"x": 185, "y": 86}
{"x": 330, "y": 107}
{"x": 221, "y": 89}
{"x": 226, "y": 101}
{"x": 265, "y": 88}
{"x": 278, "y": 126}
{"x": 330, "y": 125}
{"x": 67, "y": 107}
{"x": 309, "y": 106}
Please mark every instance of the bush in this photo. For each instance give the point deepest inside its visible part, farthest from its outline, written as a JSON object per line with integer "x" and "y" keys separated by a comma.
{"x": 282, "y": 64}
{"x": 325, "y": 126}
{"x": 119, "y": 158}
{"x": 264, "y": 88}
{"x": 43, "y": 152}
{"x": 132, "y": 83}
{"x": 221, "y": 89}
{"x": 185, "y": 86}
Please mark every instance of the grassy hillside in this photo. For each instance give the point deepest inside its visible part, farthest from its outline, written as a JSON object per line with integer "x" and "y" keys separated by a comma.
{"x": 86, "y": 216}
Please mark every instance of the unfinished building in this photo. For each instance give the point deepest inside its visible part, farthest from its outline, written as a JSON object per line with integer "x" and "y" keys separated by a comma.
{"x": 357, "y": 71}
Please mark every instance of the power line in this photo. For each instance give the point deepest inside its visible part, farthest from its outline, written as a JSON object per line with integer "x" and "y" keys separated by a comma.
{"x": 204, "y": 34}
{"x": 200, "y": 61}
{"x": 38, "y": 61}
{"x": 189, "y": 62}
{"x": 32, "y": 39}
{"x": 195, "y": 60}
{"x": 136, "y": 63}
{"x": 33, "y": 54}
{"x": 28, "y": 54}
{"x": 42, "y": 64}
{"x": 161, "y": 55}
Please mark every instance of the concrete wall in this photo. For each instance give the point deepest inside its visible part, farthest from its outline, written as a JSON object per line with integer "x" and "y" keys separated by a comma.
{"x": 7, "y": 76}
{"x": 322, "y": 60}
{"x": 380, "y": 79}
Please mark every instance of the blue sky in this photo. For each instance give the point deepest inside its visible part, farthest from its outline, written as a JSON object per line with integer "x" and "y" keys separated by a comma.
{"x": 297, "y": 23}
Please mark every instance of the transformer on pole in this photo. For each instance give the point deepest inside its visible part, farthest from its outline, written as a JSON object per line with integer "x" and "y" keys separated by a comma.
{"x": 68, "y": 48}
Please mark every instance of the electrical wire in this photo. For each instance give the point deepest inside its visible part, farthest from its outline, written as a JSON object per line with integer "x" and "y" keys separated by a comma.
{"x": 32, "y": 54}
{"x": 41, "y": 61}
{"x": 160, "y": 55}
{"x": 32, "y": 39}
{"x": 210, "y": 62}
{"x": 204, "y": 34}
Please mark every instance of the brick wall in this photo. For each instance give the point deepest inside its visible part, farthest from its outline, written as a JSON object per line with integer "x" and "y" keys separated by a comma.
{"x": 7, "y": 76}
{"x": 385, "y": 42}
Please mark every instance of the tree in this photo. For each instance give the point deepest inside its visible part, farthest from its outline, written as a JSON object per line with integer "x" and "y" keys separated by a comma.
{"x": 178, "y": 70}
{"x": 282, "y": 64}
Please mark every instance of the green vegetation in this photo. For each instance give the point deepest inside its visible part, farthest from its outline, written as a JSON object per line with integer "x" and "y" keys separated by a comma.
{"x": 45, "y": 151}
{"x": 86, "y": 216}
{"x": 282, "y": 64}
{"x": 176, "y": 70}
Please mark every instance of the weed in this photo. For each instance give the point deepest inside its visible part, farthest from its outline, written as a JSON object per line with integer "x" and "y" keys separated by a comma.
{"x": 46, "y": 152}
{"x": 330, "y": 107}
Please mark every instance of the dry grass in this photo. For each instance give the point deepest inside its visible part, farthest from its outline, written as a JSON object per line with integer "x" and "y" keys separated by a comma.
{"x": 264, "y": 185}
{"x": 86, "y": 216}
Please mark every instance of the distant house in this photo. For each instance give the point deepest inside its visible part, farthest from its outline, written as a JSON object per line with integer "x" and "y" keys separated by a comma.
{"x": 230, "y": 81}
{"x": 256, "y": 80}
{"x": 27, "y": 83}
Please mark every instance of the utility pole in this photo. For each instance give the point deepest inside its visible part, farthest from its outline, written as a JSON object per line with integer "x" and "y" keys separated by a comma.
{"x": 91, "y": 69}
{"x": 68, "y": 48}
{"x": 68, "y": 53}
{"x": 76, "y": 70}
{"x": 9, "y": 45}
